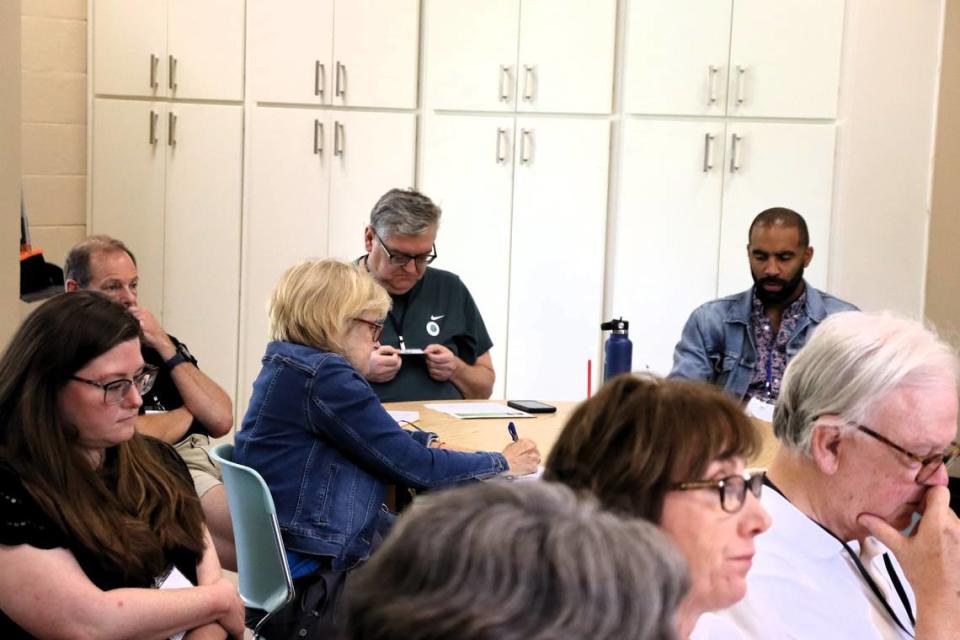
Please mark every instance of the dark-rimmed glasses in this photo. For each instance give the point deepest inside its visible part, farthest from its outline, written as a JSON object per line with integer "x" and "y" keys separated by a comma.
{"x": 116, "y": 390}
{"x": 928, "y": 465}
{"x": 376, "y": 328}
{"x": 401, "y": 260}
{"x": 732, "y": 489}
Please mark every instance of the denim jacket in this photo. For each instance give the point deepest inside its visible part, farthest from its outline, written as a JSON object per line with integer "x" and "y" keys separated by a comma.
{"x": 326, "y": 447}
{"x": 717, "y": 342}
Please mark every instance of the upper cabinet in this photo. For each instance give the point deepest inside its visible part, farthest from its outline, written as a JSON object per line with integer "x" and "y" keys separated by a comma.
{"x": 536, "y": 56}
{"x": 168, "y": 49}
{"x": 746, "y": 58}
{"x": 334, "y": 52}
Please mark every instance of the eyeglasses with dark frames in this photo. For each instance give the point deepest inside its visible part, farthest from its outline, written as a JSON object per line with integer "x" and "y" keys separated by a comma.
{"x": 928, "y": 465}
{"x": 732, "y": 489}
{"x": 401, "y": 260}
{"x": 376, "y": 328}
{"x": 116, "y": 390}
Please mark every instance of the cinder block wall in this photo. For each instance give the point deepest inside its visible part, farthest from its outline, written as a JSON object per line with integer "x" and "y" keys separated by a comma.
{"x": 54, "y": 114}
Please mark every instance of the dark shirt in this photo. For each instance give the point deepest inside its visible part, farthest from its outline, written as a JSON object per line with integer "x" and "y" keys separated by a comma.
{"x": 772, "y": 349}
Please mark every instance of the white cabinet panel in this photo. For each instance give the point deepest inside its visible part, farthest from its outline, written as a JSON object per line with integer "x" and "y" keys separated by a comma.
{"x": 676, "y": 57}
{"x": 779, "y": 165}
{"x": 127, "y": 36}
{"x": 372, "y": 153}
{"x": 667, "y": 232}
{"x": 127, "y": 182}
{"x": 557, "y": 249}
{"x": 565, "y": 61}
{"x": 206, "y": 41}
{"x": 467, "y": 169}
{"x": 201, "y": 262}
{"x": 289, "y": 44}
{"x": 789, "y": 54}
{"x": 470, "y": 51}
{"x": 375, "y": 49}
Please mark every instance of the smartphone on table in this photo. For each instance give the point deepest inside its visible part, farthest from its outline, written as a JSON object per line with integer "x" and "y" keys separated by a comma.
{"x": 531, "y": 406}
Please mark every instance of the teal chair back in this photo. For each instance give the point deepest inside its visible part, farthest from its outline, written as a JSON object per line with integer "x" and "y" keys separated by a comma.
{"x": 264, "y": 576}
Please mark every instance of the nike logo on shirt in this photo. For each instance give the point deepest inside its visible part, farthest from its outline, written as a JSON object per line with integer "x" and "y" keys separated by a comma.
{"x": 432, "y": 318}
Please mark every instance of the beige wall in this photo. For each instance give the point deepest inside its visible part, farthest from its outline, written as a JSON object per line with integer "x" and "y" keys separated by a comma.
{"x": 54, "y": 130}
{"x": 9, "y": 165}
{"x": 943, "y": 265}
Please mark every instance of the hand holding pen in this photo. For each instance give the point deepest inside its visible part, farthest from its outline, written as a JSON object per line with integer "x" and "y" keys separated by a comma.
{"x": 522, "y": 454}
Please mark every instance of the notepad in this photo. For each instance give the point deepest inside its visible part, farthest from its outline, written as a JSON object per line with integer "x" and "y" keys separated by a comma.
{"x": 475, "y": 410}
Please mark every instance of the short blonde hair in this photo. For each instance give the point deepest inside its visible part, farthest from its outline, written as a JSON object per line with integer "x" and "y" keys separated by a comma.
{"x": 314, "y": 301}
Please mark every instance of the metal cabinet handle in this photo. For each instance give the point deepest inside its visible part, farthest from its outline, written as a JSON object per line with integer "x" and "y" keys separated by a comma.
{"x": 501, "y": 138}
{"x": 708, "y": 139}
{"x": 338, "y": 138}
{"x": 154, "y": 120}
{"x": 504, "y": 83}
{"x": 172, "y": 80}
{"x": 340, "y": 90}
{"x": 712, "y": 85}
{"x": 319, "y": 79}
{"x": 154, "y": 62}
{"x": 528, "y": 80}
{"x": 172, "y": 129}
{"x": 734, "y": 152}
{"x": 317, "y": 137}
{"x": 526, "y": 143}
{"x": 741, "y": 70}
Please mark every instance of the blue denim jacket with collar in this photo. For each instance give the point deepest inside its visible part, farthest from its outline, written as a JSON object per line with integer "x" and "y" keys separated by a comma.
{"x": 327, "y": 449}
{"x": 717, "y": 343}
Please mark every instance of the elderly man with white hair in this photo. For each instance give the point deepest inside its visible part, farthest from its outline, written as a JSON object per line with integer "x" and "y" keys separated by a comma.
{"x": 866, "y": 419}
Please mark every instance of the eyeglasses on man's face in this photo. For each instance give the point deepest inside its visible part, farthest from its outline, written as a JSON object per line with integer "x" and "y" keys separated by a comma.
{"x": 928, "y": 464}
{"x": 732, "y": 489}
{"x": 376, "y": 328}
{"x": 401, "y": 260}
{"x": 116, "y": 390}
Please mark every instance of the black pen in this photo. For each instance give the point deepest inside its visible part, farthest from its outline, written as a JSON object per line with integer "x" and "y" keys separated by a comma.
{"x": 512, "y": 428}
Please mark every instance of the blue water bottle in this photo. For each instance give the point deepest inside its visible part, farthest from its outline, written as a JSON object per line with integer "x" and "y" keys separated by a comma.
{"x": 617, "y": 350}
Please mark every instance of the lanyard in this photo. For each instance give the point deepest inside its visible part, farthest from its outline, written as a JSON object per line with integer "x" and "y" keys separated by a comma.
{"x": 901, "y": 592}
{"x": 398, "y": 322}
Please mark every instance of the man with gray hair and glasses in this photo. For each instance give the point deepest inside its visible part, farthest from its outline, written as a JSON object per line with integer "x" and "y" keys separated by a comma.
{"x": 435, "y": 345}
{"x": 866, "y": 419}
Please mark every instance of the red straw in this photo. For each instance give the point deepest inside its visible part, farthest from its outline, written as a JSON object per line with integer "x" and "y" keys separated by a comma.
{"x": 589, "y": 376}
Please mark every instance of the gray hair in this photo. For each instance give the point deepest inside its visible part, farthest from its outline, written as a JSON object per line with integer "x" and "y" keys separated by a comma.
{"x": 852, "y": 361}
{"x": 76, "y": 266}
{"x": 404, "y": 212}
{"x": 512, "y": 561}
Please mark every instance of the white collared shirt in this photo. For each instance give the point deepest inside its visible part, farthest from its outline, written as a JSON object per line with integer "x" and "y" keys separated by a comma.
{"x": 804, "y": 585}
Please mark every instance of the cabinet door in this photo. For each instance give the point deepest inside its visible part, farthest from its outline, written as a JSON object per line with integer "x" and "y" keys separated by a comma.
{"x": 667, "y": 232}
{"x": 205, "y": 49}
{"x": 785, "y": 58}
{"x": 467, "y": 169}
{"x": 565, "y": 62}
{"x": 471, "y": 54}
{"x": 375, "y": 48}
{"x": 130, "y": 47}
{"x": 201, "y": 262}
{"x": 289, "y": 44}
{"x": 372, "y": 153}
{"x": 286, "y": 216}
{"x": 676, "y": 57}
{"x": 778, "y": 165}
{"x": 127, "y": 186}
{"x": 557, "y": 256}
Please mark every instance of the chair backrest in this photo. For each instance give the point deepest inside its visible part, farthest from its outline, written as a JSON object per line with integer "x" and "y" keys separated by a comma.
{"x": 264, "y": 576}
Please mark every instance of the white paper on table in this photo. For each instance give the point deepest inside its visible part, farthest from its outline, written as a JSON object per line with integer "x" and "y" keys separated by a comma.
{"x": 536, "y": 475}
{"x": 474, "y": 410}
{"x": 404, "y": 417}
{"x": 757, "y": 408}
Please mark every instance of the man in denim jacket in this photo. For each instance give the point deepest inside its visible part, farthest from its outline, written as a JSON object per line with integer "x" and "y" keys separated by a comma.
{"x": 744, "y": 341}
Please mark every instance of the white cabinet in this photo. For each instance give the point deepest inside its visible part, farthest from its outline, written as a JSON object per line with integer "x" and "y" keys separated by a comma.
{"x": 686, "y": 200}
{"x": 526, "y": 55}
{"x": 748, "y": 58}
{"x": 524, "y": 210}
{"x": 334, "y": 52}
{"x": 166, "y": 181}
{"x": 169, "y": 48}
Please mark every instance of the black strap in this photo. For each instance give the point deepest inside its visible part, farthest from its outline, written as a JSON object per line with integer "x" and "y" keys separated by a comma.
{"x": 866, "y": 574}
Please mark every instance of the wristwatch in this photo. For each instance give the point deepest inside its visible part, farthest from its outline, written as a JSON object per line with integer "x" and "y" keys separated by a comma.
{"x": 182, "y": 355}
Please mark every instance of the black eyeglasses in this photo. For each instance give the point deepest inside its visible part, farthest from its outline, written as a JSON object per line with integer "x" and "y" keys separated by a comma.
{"x": 928, "y": 465}
{"x": 403, "y": 259}
{"x": 116, "y": 390}
{"x": 376, "y": 328}
{"x": 733, "y": 489}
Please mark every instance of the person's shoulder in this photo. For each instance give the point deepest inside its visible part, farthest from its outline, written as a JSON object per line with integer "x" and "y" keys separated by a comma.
{"x": 304, "y": 358}
{"x": 23, "y": 521}
{"x": 719, "y": 309}
{"x": 442, "y": 278}
{"x": 833, "y": 304}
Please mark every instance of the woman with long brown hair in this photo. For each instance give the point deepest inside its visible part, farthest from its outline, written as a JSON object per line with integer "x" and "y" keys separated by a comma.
{"x": 97, "y": 523}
